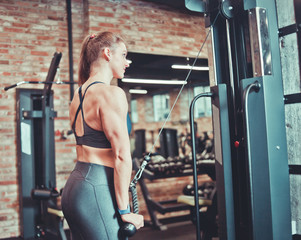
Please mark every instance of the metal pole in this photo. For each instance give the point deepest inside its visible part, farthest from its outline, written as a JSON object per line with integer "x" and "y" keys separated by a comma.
{"x": 195, "y": 174}
{"x": 70, "y": 46}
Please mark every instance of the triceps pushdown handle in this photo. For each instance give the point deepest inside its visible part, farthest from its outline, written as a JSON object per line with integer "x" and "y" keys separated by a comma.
{"x": 128, "y": 230}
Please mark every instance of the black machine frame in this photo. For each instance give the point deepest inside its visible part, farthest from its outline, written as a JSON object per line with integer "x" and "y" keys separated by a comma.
{"x": 41, "y": 216}
{"x": 250, "y": 145}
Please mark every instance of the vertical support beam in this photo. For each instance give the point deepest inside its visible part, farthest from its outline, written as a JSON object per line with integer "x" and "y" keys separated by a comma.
{"x": 195, "y": 174}
{"x": 256, "y": 155}
{"x": 268, "y": 166}
{"x": 70, "y": 47}
{"x": 276, "y": 145}
{"x": 268, "y": 137}
{"x": 48, "y": 170}
{"x": 269, "y": 216}
{"x": 223, "y": 164}
{"x": 26, "y": 166}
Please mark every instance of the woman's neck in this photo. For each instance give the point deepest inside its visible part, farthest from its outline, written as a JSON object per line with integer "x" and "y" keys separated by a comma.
{"x": 101, "y": 72}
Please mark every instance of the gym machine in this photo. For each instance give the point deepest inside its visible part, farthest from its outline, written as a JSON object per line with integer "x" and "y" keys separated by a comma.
{"x": 252, "y": 173}
{"x": 170, "y": 167}
{"x": 41, "y": 216}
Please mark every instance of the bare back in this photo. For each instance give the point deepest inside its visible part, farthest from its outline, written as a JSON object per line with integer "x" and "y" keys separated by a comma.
{"x": 99, "y": 114}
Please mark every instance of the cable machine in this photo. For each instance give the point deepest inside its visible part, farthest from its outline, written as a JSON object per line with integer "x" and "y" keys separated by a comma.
{"x": 41, "y": 216}
{"x": 252, "y": 173}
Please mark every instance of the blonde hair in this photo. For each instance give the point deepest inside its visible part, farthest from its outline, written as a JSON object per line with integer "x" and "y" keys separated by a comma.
{"x": 91, "y": 47}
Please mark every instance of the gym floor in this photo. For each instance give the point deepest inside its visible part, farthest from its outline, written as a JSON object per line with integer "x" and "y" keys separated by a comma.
{"x": 176, "y": 231}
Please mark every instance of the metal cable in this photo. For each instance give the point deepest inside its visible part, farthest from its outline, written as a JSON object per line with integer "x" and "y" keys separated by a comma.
{"x": 147, "y": 158}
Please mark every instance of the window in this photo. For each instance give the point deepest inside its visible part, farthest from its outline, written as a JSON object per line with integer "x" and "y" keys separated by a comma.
{"x": 203, "y": 105}
{"x": 134, "y": 113}
{"x": 161, "y": 107}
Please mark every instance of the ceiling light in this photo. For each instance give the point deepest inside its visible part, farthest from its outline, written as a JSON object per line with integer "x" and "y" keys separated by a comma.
{"x": 153, "y": 81}
{"x": 138, "y": 91}
{"x": 197, "y": 68}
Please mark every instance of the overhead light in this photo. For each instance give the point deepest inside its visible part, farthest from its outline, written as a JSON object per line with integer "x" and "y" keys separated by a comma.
{"x": 154, "y": 81}
{"x": 138, "y": 91}
{"x": 197, "y": 68}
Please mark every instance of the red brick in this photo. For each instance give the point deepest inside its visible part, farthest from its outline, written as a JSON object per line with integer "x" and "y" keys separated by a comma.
{"x": 3, "y": 50}
{"x": 15, "y": 30}
{"x": 22, "y": 25}
{"x": 5, "y": 119}
{"x": 3, "y": 62}
{"x": 4, "y": 183}
{"x": 64, "y": 150}
{"x": 45, "y": 37}
{"x": 6, "y": 73}
{"x": 9, "y": 7}
{"x": 106, "y": 25}
{"x": 5, "y": 130}
{"x": 55, "y": 18}
{"x": 39, "y": 53}
{"x": 32, "y": 79}
{"x": 105, "y": 14}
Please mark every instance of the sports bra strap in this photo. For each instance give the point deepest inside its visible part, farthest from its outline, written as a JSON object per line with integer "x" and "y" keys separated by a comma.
{"x": 79, "y": 107}
{"x": 81, "y": 99}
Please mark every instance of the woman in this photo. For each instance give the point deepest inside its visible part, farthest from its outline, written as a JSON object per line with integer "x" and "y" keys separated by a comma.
{"x": 95, "y": 200}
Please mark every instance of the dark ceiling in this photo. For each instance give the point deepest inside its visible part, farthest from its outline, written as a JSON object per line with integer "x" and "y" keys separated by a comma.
{"x": 150, "y": 66}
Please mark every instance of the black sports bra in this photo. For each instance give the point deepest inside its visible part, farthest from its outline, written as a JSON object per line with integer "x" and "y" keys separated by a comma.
{"x": 91, "y": 137}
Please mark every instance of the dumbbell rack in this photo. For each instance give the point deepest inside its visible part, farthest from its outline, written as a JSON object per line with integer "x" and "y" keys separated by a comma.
{"x": 171, "y": 205}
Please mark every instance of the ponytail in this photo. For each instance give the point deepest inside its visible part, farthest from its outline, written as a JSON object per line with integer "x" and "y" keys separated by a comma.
{"x": 92, "y": 46}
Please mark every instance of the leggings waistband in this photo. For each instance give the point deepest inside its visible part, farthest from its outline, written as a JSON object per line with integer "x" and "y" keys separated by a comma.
{"x": 94, "y": 172}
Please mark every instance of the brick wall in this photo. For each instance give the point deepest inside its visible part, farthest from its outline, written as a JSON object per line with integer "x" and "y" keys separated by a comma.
{"x": 32, "y": 30}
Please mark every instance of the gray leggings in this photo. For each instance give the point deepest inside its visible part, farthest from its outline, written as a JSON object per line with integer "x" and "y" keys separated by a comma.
{"x": 89, "y": 203}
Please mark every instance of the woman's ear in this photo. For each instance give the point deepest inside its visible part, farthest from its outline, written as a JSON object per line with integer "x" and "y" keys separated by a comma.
{"x": 107, "y": 54}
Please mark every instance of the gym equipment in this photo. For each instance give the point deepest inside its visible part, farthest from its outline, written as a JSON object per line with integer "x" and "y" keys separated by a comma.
{"x": 248, "y": 121}
{"x": 193, "y": 146}
{"x": 205, "y": 190}
{"x": 169, "y": 143}
{"x": 159, "y": 168}
{"x": 41, "y": 217}
{"x": 208, "y": 205}
{"x": 140, "y": 145}
{"x": 47, "y": 82}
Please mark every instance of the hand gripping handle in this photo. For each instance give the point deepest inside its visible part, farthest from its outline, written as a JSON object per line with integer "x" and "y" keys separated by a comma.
{"x": 128, "y": 229}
